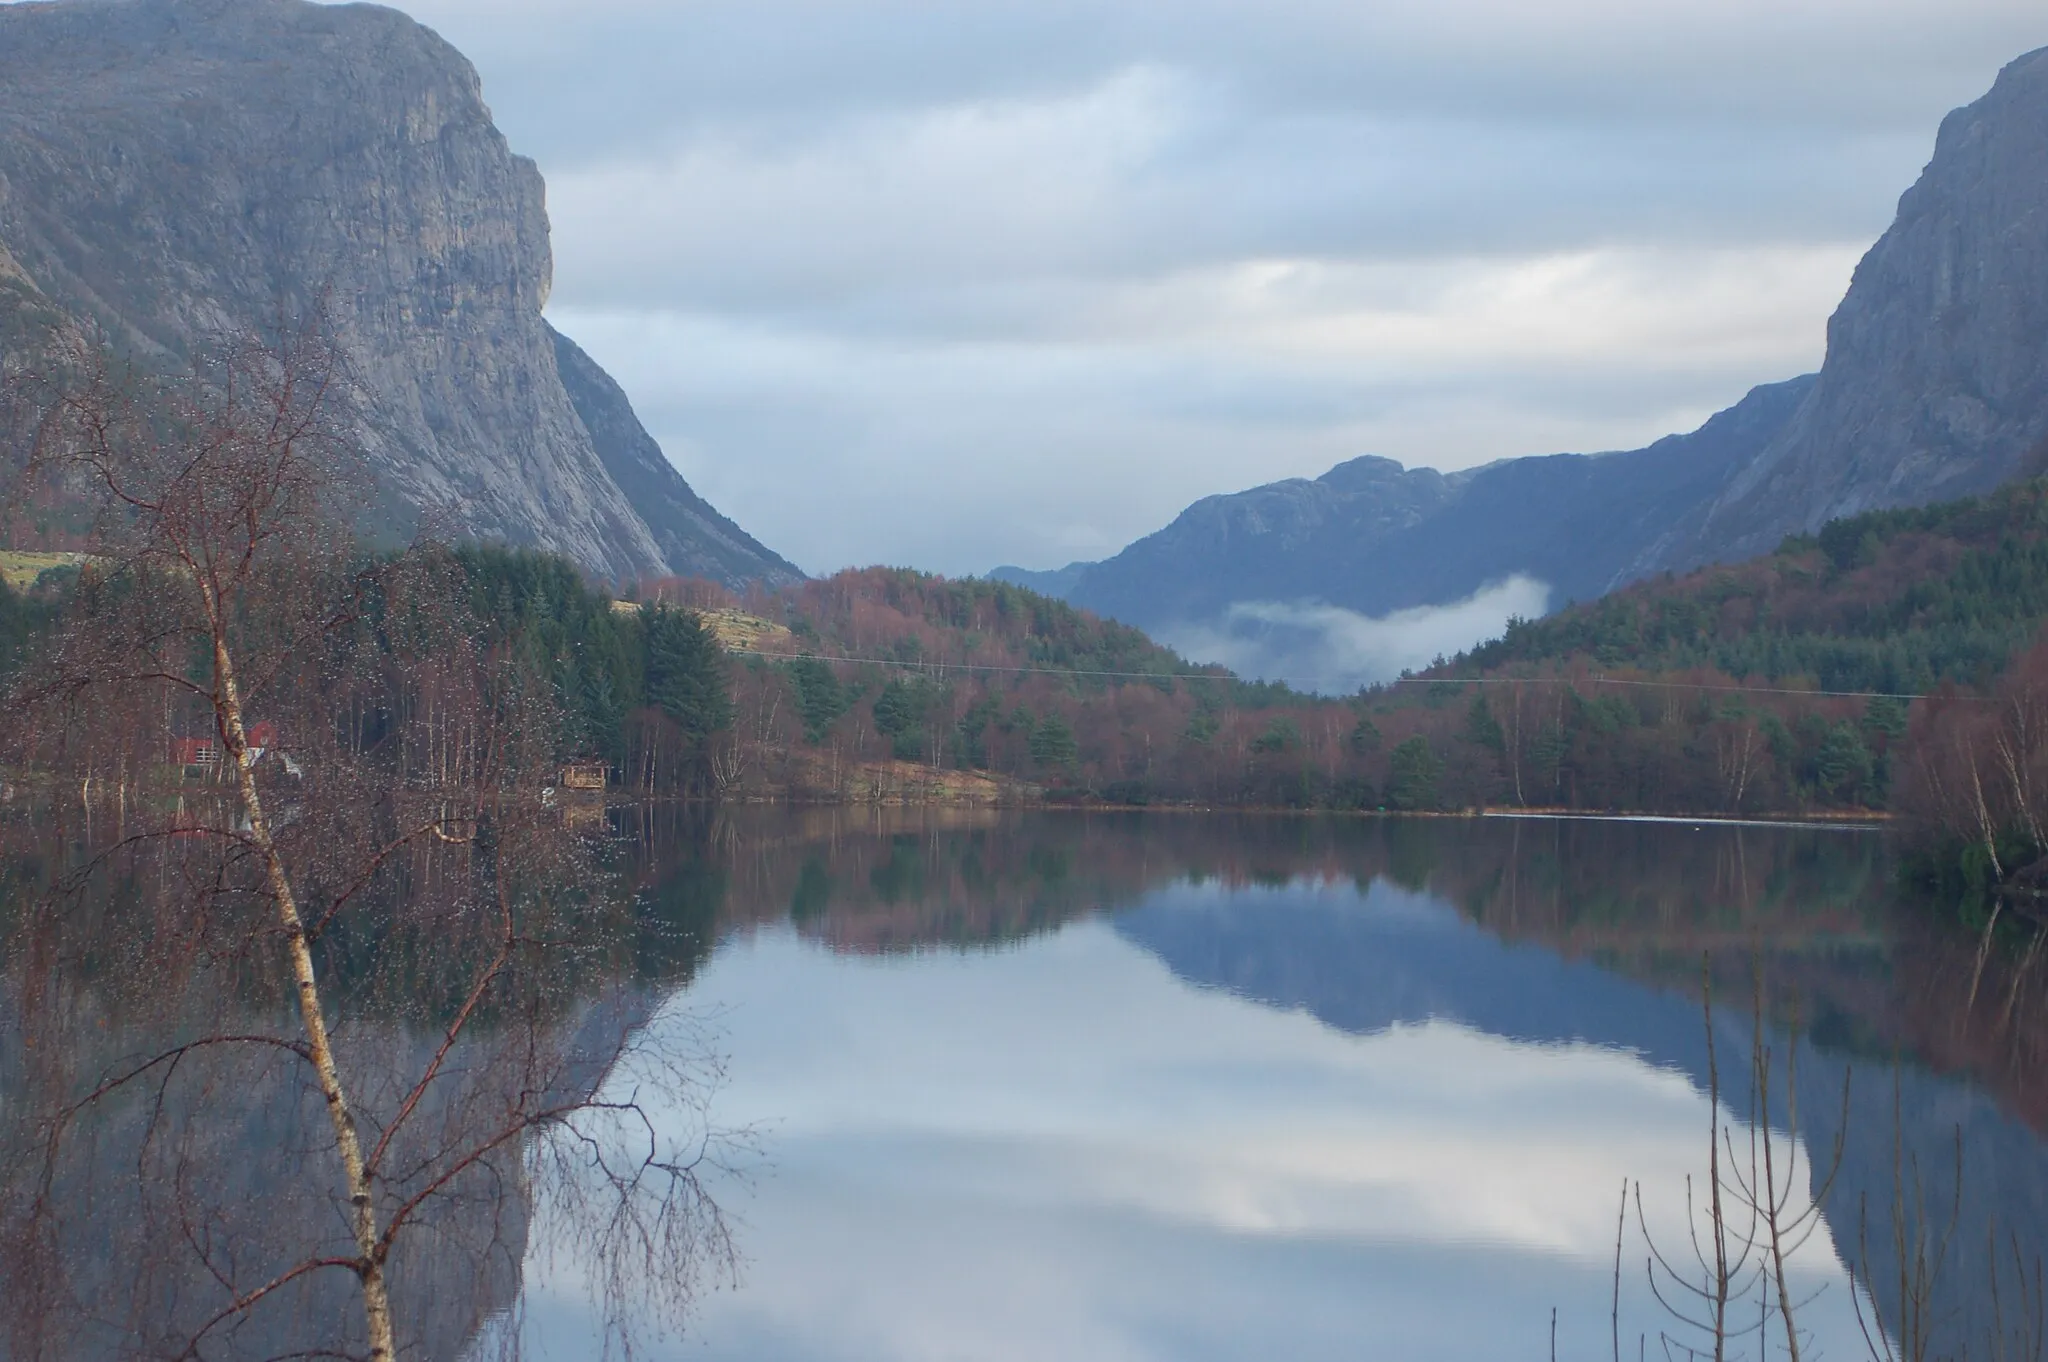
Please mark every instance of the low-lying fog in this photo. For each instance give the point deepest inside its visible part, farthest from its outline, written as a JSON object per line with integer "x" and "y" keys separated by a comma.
{"x": 1315, "y": 646}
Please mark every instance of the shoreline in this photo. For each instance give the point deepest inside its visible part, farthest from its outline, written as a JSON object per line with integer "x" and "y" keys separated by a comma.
{"x": 15, "y": 785}
{"x": 1865, "y": 820}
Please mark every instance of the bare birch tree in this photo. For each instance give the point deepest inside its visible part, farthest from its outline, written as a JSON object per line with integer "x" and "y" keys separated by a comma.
{"x": 380, "y": 854}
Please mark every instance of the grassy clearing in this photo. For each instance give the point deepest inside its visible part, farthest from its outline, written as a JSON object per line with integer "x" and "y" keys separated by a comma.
{"x": 735, "y": 630}
{"x": 20, "y": 569}
{"x": 742, "y": 632}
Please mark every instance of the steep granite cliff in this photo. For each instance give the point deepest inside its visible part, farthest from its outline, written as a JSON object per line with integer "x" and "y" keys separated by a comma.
{"x": 171, "y": 170}
{"x": 1936, "y": 380}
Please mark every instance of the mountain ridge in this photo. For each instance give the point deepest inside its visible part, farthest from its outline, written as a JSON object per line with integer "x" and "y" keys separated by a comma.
{"x": 1934, "y": 386}
{"x": 1374, "y": 537}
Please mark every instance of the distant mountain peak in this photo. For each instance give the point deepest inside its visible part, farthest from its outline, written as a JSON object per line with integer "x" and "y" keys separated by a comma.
{"x": 1366, "y": 473}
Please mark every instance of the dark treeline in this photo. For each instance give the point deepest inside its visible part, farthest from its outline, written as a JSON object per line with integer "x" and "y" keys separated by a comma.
{"x": 888, "y": 666}
{"x": 893, "y": 686}
{"x": 646, "y": 691}
{"x": 1698, "y": 695}
{"x": 24, "y": 615}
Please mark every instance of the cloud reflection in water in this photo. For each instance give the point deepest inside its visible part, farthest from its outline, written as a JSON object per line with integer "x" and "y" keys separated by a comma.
{"x": 1067, "y": 1150}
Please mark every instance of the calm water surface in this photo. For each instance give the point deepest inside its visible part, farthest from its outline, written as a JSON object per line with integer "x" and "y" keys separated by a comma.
{"x": 1102, "y": 1088}
{"x": 1186, "y": 1088}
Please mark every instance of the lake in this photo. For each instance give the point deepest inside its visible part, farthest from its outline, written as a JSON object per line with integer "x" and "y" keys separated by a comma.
{"x": 1130, "y": 1087}
{"x": 1122, "y": 1086}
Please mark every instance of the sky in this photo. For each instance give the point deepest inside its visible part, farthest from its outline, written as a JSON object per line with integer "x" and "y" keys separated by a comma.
{"x": 1014, "y": 281}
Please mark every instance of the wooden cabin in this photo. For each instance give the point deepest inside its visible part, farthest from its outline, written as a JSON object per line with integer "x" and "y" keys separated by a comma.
{"x": 586, "y": 775}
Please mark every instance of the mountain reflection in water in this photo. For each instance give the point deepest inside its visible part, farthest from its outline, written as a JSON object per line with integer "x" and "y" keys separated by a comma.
{"x": 1122, "y": 1086}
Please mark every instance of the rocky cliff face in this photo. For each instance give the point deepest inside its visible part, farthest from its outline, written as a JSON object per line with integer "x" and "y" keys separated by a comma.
{"x": 171, "y": 170}
{"x": 1936, "y": 380}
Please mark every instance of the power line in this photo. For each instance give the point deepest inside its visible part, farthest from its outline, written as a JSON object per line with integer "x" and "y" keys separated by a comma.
{"x": 989, "y": 667}
{"x": 1310, "y": 685}
{"x": 1718, "y": 686}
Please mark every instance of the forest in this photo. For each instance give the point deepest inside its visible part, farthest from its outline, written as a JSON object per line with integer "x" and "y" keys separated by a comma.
{"x": 875, "y": 684}
{"x": 885, "y": 685}
{"x": 1895, "y": 601}
{"x": 1784, "y": 685}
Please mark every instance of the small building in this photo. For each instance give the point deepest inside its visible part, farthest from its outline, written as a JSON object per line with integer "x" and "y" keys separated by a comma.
{"x": 207, "y": 754}
{"x": 201, "y": 752}
{"x": 586, "y": 775}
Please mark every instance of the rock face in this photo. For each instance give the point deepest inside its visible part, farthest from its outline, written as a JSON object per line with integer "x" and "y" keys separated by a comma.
{"x": 172, "y": 170}
{"x": 694, "y": 540}
{"x": 1373, "y": 537}
{"x": 1936, "y": 381}
{"x": 1935, "y": 386}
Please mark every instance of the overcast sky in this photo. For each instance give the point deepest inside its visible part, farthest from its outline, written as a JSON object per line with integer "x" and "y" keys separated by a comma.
{"x": 952, "y": 285}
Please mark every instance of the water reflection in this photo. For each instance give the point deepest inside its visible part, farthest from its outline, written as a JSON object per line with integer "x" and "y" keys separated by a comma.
{"x": 1192, "y": 1087}
{"x": 1298, "y": 1087}
{"x": 169, "y": 1183}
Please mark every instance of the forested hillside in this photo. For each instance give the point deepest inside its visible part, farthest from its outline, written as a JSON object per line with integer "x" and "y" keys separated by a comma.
{"x": 1893, "y": 601}
{"x": 895, "y": 686}
{"x": 1778, "y": 686}
{"x": 874, "y": 684}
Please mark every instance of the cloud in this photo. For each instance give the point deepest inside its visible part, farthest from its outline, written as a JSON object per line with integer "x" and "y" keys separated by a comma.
{"x": 793, "y": 66}
{"x": 1327, "y": 648}
{"x": 1017, "y": 280}
{"x": 1039, "y": 426}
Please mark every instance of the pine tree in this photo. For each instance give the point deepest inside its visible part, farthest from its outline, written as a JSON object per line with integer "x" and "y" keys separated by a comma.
{"x": 1412, "y": 774}
{"x": 686, "y": 675}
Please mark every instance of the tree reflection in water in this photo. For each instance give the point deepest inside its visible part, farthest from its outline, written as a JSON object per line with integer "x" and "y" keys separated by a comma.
{"x": 130, "y": 1232}
{"x": 1856, "y": 988}
{"x": 167, "y": 1179}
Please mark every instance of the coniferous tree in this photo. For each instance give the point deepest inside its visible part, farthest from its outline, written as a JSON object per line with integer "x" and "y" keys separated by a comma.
{"x": 686, "y": 674}
{"x": 820, "y": 696}
{"x": 1052, "y": 745}
{"x": 1413, "y": 774}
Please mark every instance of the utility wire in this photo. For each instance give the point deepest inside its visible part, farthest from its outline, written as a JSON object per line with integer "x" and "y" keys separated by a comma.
{"x": 1310, "y": 684}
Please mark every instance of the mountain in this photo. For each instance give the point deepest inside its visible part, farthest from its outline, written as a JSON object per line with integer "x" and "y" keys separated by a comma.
{"x": 1936, "y": 380}
{"x": 175, "y": 170}
{"x": 1935, "y": 386}
{"x": 1373, "y": 537}
{"x": 1054, "y": 582}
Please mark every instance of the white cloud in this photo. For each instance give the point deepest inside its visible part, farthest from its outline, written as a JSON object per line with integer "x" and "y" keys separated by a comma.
{"x": 1041, "y": 423}
{"x": 1327, "y": 648}
{"x": 1010, "y": 281}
